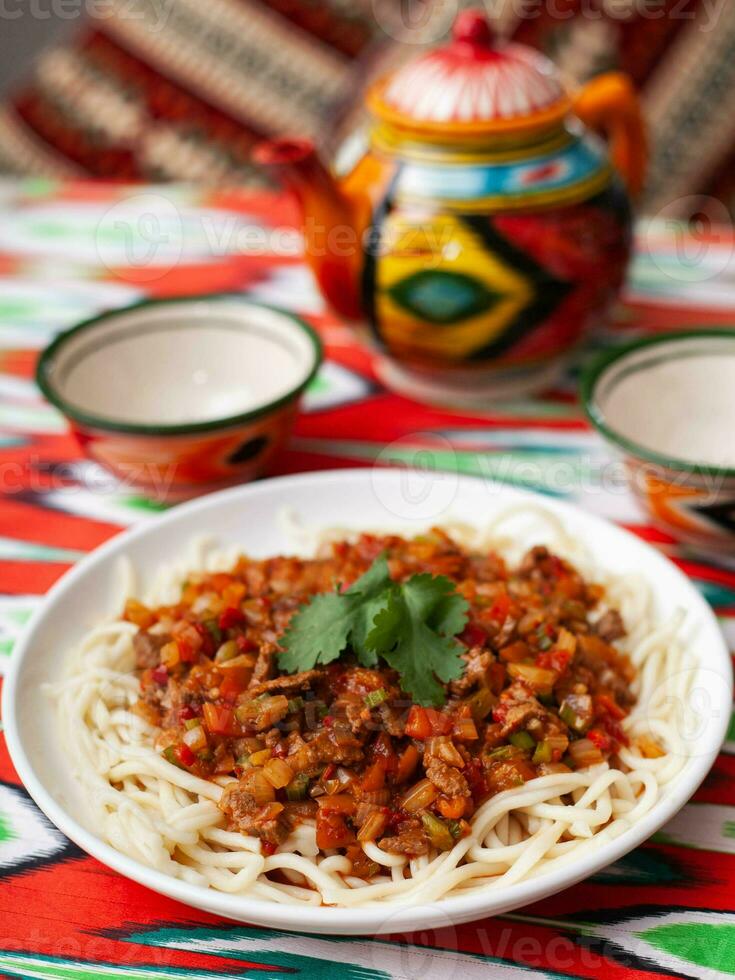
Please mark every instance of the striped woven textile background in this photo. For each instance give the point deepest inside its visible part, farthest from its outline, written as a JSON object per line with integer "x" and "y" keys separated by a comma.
{"x": 667, "y": 909}
{"x": 180, "y": 90}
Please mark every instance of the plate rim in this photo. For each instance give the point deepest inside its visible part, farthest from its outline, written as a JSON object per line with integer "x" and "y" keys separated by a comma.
{"x": 323, "y": 919}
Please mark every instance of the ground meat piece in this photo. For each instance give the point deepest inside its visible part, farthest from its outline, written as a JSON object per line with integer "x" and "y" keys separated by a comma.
{"x": 341, "y": 747}
{"x": 248, "y": 817}
{"x": 173, "y": 699}
{"x": 506, "y": 632}
{"x": 307, "y": 757}
{"x": 519, "y": 713}
{"x": 613, "y": 682}
{"x": 610, "y": 626}
{"x": 264, "y": 664}
{"x": 294, "y": 742}
{"x": 516, "y": 708}
{"x": 147, "y": 647}
{"x": 393, "y": 719}
{"x": 478, "y": 662}
{"x": 411, "y": 839}
{"x": 446, "y": 778}
{"x": 534, "y": 560}
{"x": 355, "y": 712}
{"x": 286, "y": 684}
{"x": 333, "y": 745}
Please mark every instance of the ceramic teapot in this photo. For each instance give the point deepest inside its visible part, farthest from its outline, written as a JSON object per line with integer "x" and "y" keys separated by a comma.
{"x": 484, "y": 226}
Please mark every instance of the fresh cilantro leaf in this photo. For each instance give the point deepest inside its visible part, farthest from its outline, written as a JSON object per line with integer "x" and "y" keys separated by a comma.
{"x": 449, "y": 615}
{"x": 373, "y": 589}
{"x": 414, "y": 634}
{"x": 323, "y": 629}
{"x": 317, "y": 634}
{"x": 411, "y": 625}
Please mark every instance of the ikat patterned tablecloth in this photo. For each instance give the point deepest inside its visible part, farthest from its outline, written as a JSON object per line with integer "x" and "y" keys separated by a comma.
{"x": 70, "y": 250}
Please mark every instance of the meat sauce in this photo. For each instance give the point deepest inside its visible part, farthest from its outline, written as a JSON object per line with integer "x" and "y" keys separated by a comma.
{"x": 543, "y": 691}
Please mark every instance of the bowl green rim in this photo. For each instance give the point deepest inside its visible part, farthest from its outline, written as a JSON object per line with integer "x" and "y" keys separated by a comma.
{"x": 89, "y": 419}
{"x": 594, "y": 372}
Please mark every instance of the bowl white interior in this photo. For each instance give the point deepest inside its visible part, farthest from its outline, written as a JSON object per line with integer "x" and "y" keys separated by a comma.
{"x": 249, "y": 516}
{"x": 182, "y": 362}
{"x": 675, "y": 398}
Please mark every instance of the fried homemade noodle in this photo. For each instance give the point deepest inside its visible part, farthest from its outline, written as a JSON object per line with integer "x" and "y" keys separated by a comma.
{"x": 168, "y": 818}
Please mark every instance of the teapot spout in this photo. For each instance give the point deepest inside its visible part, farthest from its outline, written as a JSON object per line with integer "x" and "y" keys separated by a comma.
{"x": 330, "y": 237}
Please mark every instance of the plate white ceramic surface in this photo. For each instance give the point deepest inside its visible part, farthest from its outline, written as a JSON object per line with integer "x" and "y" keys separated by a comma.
{"x": 249, "y": 516}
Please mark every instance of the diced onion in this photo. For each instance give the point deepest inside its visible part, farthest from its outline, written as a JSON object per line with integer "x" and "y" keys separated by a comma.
{"x": 444, "y": 748}
{"x": 439, "y": 833}
{"x": 419, "y": 796}
{"x": 278, "y": 773}
{"x": 373, "y": 826}
{"x": 196, "y": 739}
{"x": 584, "y": 753}
{"x": 340, "y": 801}
{"x": 228, "y": 651}
{"x": 537, "y": 678}
{"x": 253, "y": 781}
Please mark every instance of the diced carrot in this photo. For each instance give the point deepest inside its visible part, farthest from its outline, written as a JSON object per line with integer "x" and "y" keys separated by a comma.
{"x": 137, "y": 613}
{"x": 515, "y": 652}
{"x": 451, "y": 808}
{"x": 556, "y": 660}
{"x": 235, "y": 677}
{"x": 422, "y": 723}
{"x": 500, "y": 608}
{"x": 332, "y": 830}
{"x": 384, "y": 752}
{"x": 220, "y": 720}
{"x": 407, "y": 764}
{"x": 607, "y": 705}
{"x": 374, "y": 778}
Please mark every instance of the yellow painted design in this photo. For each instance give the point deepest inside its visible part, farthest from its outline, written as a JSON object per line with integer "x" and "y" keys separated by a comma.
{"x": 528, "y": 200}
{"x": 391, "y": 140}
{"x": 442, "y": 243}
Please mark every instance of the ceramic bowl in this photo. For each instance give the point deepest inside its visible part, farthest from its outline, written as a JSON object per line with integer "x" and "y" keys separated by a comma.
{"x": 176, "y": 396}
{"x": 667, "y": 404}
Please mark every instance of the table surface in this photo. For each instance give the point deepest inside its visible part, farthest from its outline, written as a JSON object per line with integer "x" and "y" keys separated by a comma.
{"x": 67, "y": 251}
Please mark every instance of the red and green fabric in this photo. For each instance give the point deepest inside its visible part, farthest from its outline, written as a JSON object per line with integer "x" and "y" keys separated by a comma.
{"x": 667, "y": 909}
{"x": 180, "y": 89}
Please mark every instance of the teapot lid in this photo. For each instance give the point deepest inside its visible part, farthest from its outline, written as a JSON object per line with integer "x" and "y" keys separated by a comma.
{"x": 475, "y": 85}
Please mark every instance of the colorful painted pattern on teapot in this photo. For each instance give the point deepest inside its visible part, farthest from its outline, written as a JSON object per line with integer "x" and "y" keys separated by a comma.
{"x": 491, "y": 228}
{"x": 501, "y": 232}
{"x": 495, "y": 259}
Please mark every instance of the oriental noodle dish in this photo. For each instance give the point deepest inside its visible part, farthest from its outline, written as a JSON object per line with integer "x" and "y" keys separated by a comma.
{"x": 393, "y": 720}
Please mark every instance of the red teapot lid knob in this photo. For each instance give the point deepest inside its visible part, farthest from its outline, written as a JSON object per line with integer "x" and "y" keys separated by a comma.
{"x": 471, "y": 26}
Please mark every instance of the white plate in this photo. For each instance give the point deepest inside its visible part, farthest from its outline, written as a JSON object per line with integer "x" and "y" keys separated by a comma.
{"x": 248, "y": 516}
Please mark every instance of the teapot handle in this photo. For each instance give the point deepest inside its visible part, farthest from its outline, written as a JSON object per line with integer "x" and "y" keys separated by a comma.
{"x": 609, "y": 104}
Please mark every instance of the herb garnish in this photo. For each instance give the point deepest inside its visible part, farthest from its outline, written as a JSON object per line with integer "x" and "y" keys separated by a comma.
{"x": 411, "y": 625}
